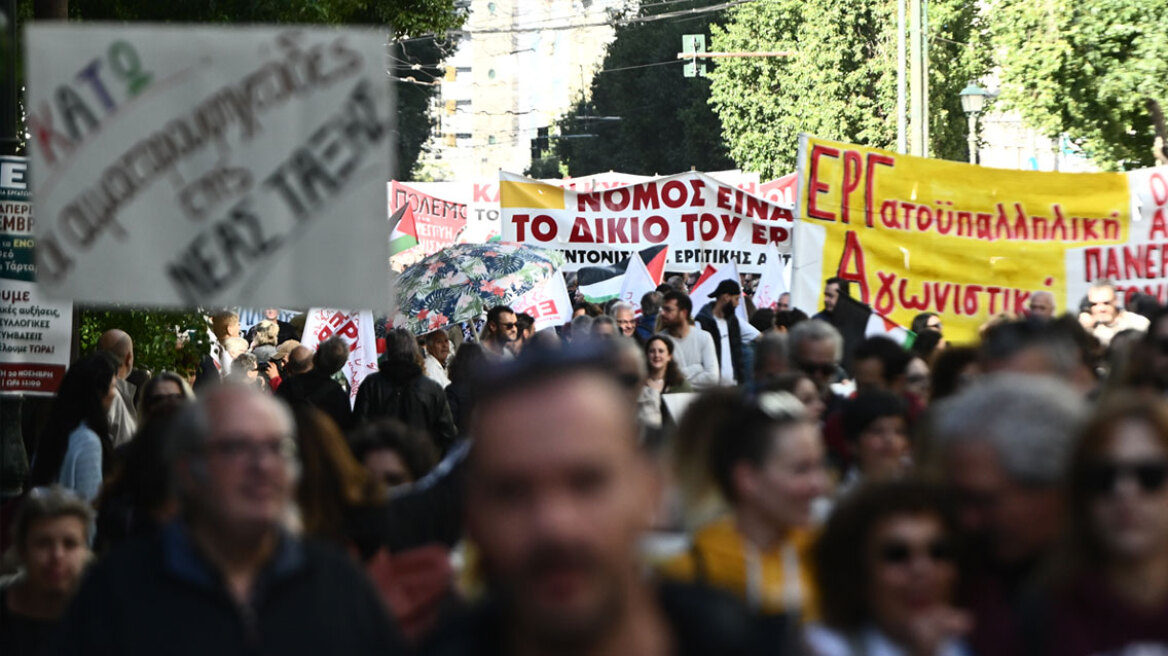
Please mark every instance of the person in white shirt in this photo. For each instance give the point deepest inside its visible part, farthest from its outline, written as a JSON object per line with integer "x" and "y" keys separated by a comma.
{"x": 1105, "y": 318}
{"x": 693, "y": 347}
{"x": 437, "y": 353}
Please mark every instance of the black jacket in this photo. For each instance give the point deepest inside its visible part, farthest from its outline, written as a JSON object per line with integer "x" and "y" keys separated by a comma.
{"x": 319, "y": 391}
{"x": 710, "y": 325}
{"x": 158, "y": 595}
{"x": 402, "y": 392}
{"x": 703, "y": 621}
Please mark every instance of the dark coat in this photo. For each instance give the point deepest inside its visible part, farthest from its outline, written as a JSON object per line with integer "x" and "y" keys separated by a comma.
{"x": 703, "y": 621}
{"x": 403, "y": 393}
{"x": 710, "y": 325}
{"x": 159, "y": 595}
{"x": 319, "y": 391}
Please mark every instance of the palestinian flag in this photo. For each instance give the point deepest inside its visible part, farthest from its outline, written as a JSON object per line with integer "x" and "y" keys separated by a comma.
{"x": 601, "y": 284}
{"x": 857, "y": 322}
{"x": 403, "y": 230}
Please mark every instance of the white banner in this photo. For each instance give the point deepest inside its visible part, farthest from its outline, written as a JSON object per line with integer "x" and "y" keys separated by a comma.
{"x": 704, "y": 221}
{"x": 35, "y": 333}
{"x": 209, "y": 166}
{"x": 548, "y": 303}
{"x": 356, "y": 328}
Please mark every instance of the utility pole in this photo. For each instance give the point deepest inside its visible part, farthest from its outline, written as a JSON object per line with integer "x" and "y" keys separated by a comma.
{"x": 901, "y": 78}
{"x": 917, "y": 75}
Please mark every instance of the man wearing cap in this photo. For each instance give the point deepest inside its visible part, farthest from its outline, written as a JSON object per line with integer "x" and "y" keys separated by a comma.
{"x": 717, "y": 318}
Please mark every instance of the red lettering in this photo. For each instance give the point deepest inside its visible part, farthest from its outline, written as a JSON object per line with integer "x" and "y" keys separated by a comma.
{"x": 853, "y": 167}
{"x": 520, "y": 221}
{"x": 1091, "y": 264}
{"x": 874, "y": 159}
{"x": 851, "y": 267}
{"x": 543, "y": 228}
{"x": 815, "y": 187}
{"x": 673, "y": 194}
{"x": 587, "y": 202}
{"x": 1159, "y": 227}
{"x": 656, "y": 229}
{"x": 581, "y": 233}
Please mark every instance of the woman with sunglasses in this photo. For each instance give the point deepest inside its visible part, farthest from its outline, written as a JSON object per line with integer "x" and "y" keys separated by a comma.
{"x": 887, "y": 574}
{"x": 1113, "y": 595}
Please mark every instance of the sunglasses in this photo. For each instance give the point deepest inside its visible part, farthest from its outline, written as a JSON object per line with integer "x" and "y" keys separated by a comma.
{"x": 1103, "y": 478}
{"x": 898, "y": 552}
{"x": 507, "y": 326}
{"x": 824, "y": 369}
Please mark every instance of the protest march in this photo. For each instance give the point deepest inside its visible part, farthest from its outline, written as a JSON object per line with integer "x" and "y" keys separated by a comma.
{"x": 265, "y": 391}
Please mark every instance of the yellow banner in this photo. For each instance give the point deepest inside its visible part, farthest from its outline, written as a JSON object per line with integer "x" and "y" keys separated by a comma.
{"x": 966, "y": 242}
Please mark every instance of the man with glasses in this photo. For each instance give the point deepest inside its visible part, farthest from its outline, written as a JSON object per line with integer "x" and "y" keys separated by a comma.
{"x": 1002, "y": 446}
{"x": 227, "y": 577}
{"x": 501, "y": 331}
{"x": 1105, "y": 318}
{"x": 626, "y": 319}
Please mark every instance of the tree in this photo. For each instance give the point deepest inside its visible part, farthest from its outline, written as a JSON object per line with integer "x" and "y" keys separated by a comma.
{"x": 841, "y": 81}
{"x": 666, "y": 124}
{"x": 1087, "y": 70}
{"x": 403, "y": 17}
{"x": 164, "y": 340}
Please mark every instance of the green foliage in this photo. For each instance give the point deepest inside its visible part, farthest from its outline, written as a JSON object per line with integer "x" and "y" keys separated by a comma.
{"x": 1086, "y": 69}
{"x": 841, "y": 82}
{"x": 545, "y": 168}
{"x": 156, "y": 335}
{"x": 403, "y": 16}
{"x": 667, "y": 124}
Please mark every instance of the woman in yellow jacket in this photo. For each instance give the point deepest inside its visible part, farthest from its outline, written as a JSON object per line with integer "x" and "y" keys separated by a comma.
{"x": 768, "y": 462}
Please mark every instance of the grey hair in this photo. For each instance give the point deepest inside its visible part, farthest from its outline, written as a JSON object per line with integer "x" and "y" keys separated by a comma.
{"x": 1042, "y": 293}
{"x": 1030, "y": 421}
{"x": 621, "y": 306}
{"x": 581, "y": 325}
{"x": 814, "y": 330}
{"x": 192, "y": 427}
{"x": 607, "y": 320}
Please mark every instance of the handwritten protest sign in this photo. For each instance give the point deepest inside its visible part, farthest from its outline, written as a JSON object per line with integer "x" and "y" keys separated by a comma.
{"x": 209, "y": 166}
{"x": 703, "y": 221}
{"x": 967, "y": 242}
{"x": 35, "y": 333}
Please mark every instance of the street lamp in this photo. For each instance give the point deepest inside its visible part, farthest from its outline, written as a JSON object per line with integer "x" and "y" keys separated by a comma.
{"x": 973, "y": 101}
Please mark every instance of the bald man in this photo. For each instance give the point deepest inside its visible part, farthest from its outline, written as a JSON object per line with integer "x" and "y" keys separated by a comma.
{"x": 1042, "y": 305}
{"x": 122, "y": 418}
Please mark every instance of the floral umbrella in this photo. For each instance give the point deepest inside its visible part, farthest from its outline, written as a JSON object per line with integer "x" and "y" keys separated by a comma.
{"x": 463, "y": 281}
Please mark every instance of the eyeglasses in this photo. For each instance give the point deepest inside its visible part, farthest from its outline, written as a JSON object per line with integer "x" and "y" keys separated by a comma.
{"x": 1103, "y": 478}
{"x": 899, "y": 552}
{"x": 240, "y": 449}
{"x": 508, "y": 326}
{"x": 159, "y": 398}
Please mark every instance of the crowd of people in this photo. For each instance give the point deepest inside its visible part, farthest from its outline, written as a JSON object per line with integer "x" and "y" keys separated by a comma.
{"x": 672, "y": 480}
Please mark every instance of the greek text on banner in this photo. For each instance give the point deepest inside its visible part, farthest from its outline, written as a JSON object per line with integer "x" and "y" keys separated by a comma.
{"x": 703, "y": 221}
{"x": 967, "y": 242}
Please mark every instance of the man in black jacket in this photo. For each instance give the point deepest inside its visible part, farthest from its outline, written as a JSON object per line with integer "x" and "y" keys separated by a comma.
{"x": 558, "y": 495}
{"x": 718, "y": 318}
{"x": 316, "y": 387}
{"x": 400, "y": 390}
{"x": 226, "y": 578}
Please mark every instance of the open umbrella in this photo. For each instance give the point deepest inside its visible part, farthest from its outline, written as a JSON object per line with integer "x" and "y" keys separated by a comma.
{"x": 463, "y": 281}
